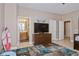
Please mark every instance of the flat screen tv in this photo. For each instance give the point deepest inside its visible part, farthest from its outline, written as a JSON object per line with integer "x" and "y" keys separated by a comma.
{"x": 41, "y": 27}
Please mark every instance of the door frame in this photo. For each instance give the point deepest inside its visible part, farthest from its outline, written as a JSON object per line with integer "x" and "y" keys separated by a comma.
{"x": 19, "y": 31}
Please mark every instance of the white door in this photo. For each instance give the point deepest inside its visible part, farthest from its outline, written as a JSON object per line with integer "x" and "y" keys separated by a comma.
{"x": 52, "y": 29}
{"x": 61, "y": 30}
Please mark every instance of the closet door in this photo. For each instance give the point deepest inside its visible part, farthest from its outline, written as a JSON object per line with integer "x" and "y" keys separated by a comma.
{"x": 52, "y": 30}
{"x": 61, "y": 30}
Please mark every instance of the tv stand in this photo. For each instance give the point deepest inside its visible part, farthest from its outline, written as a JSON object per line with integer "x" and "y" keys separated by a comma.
{"x": 42, "y": 38}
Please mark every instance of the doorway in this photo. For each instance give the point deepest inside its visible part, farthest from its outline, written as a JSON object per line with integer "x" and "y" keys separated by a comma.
{"x": 67, "y": 30}
{"x": 23, "y": 31}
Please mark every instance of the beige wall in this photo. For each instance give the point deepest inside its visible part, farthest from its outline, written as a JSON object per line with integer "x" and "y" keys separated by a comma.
{"x": 11, "y": 21}
{"x": 72, "y": 14}
{"x": 73, "y": 18}
{"x": 1, "y": 22}
{"x": 22, "y": 11}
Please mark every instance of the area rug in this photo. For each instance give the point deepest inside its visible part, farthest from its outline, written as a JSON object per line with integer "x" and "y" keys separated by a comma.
{"x": 40, "y": 50}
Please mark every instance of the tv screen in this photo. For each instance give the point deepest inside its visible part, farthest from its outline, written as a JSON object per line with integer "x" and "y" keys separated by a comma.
{"x": 41, "y": 27}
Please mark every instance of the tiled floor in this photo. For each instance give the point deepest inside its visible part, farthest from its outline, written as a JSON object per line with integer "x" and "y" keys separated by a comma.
{"x": 24, "y": 44}
{"x": 66, "y": 43}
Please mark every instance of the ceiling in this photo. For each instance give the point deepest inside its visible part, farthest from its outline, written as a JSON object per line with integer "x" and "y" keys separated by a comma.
{"x": 57, "y": 8}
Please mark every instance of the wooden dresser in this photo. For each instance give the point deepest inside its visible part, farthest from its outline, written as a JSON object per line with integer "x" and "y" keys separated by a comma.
{"x": 41, "y": 38}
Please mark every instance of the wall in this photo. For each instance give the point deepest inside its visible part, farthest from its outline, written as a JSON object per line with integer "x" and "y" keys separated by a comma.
{"x": 53, "y": 29}
{"x": 8, "y": 16}
{"x": 1, "y": 22}
{"x": 22, "y": 11}
{"x": 73, "y": 18}
{"x": 61, "y": 30}
{"x": 11, "y": 22}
